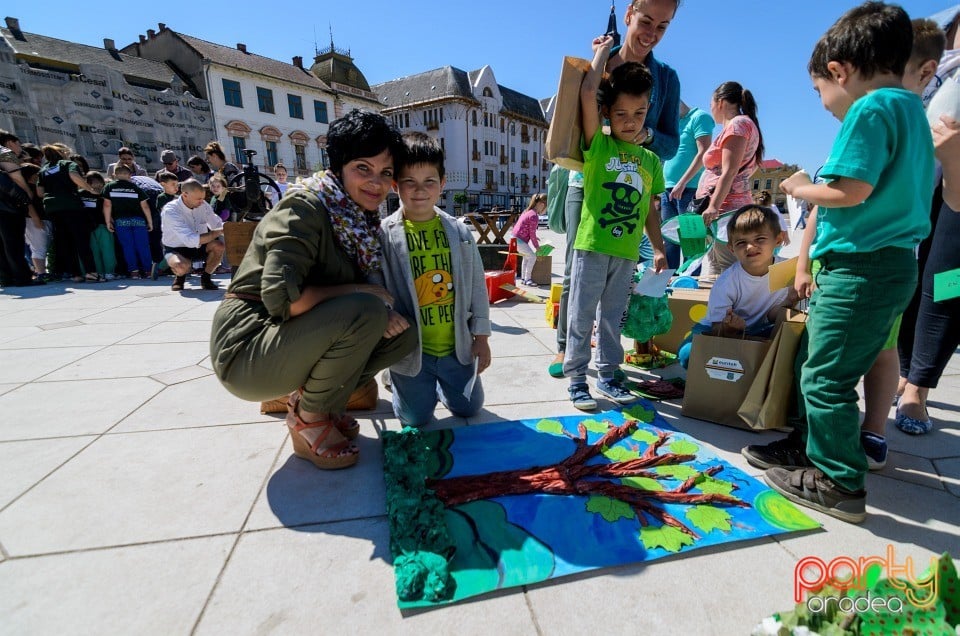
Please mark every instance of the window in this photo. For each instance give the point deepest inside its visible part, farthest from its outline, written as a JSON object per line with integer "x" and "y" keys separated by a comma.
{"x": 489, "y": 177}
{"x": 769, "y": 184}
{"x": 272, "y": 153}
{"x": 475, "y": 146}
{"x": 265, "y": 100}
{"x": 320, "y": 111}
{"x": 534, "y": 158}
{"x": 513, "y": 154}
{"x": 441, "y": 115}
{"x": 756, "y": 184}
{"x": 296, "y": 106}
{"x": 503, "y": 180}
{"x": 474, "y": 175}
{"x": 231, "y": 93}
{"x": 474, "y": 114}
{"x": 239, "y": 145}
{"x": 406, "y": 120}
{"x": 442, "y": 145}
{"x": 300, "y": 156}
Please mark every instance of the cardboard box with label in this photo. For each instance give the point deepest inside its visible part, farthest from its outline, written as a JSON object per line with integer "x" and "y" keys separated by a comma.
{"x": 688, "y": 307}
{"x": 719, "y": 375}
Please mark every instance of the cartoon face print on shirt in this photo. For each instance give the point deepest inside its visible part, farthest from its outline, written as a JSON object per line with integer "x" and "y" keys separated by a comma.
{"x": 626, "y": 192}
{"x": 434, "y": 288}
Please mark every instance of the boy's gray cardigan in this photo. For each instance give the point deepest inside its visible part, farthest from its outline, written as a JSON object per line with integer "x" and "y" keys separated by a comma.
{"x": 471, "y": 308}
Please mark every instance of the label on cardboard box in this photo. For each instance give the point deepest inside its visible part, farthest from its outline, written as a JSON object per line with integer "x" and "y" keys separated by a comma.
{"x": 725, "y": 369}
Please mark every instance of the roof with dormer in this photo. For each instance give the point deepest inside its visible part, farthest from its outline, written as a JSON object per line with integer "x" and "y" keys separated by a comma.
{"x": 336, "y": 66}
{"x": 449, "y": 82}
{"x": 61, "y": 55}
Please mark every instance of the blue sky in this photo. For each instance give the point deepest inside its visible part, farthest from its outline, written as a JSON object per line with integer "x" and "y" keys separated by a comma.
{"x": 763, "y": 44}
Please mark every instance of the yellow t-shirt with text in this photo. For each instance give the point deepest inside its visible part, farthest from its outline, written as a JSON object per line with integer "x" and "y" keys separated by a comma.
{"x": 433, "y": 281}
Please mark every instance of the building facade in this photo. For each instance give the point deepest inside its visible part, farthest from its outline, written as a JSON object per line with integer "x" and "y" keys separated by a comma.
{"x": 768, "y": 177}
{"x": 493, "y": 137}
{"x": 97, "y": 100}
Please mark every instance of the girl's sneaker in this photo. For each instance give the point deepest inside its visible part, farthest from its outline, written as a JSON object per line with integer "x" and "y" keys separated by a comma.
{"x": 581, "y": 398}
{"x": 875, "y": 447}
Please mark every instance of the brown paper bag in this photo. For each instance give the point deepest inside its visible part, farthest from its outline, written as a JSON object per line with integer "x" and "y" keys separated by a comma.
{"x": 565, "y": 132}
{"x": 719, "y": 376}
{"x": 766, "y": 403}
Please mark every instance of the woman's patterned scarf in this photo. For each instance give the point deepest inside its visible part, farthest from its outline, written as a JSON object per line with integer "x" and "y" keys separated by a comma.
{"x": 357, "y": 230}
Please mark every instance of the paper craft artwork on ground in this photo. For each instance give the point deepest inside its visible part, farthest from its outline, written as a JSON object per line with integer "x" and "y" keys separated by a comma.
{"x": 494, "y": 506}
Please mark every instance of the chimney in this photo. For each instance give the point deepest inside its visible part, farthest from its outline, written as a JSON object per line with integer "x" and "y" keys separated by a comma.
{"x": 13, "y": 24}
{"x": 241, "y": 47}
{"x": 109, "y": 44}
{"x": 161, "y": 26}
{"x": 143, "y": 38}
{"x": 298, "y": 61}
{"x": 151, "y": 34}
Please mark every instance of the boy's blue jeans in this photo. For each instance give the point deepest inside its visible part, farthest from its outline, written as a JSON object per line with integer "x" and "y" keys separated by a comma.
{"x": 857, "y": 298}
{"x": 440, "y": 379}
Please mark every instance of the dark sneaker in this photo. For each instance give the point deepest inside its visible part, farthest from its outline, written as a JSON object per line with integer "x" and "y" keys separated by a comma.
{"x": 615, "y": 391}
{"x": 811, "y": 488}
{"x": 788, "y": 452}
{"x": 178, "y": 283}
{"x": 875, "y": 446}
{"x": 155, "y": 271}
{"x": 581, "y": 398}
{"x": 206, "y": 282}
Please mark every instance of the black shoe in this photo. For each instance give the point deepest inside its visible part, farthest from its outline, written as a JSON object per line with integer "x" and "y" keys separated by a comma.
{"x": 811, "y": 488}
{"x": 788, "y": 452}
{"x": 178, "y": 283}
{"x": 206, "y": 282}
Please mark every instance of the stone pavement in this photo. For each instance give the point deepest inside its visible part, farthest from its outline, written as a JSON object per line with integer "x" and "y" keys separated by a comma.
{"x": 137, "y": 496}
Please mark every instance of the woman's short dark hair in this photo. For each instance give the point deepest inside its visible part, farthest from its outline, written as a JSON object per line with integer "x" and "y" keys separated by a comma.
{"x": 196, "y": 160}
{"x": 362, "y": 134}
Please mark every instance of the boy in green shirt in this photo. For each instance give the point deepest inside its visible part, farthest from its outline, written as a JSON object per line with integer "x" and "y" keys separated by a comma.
{"x": 873, "y": 210}
{"x": 620, "y": 181}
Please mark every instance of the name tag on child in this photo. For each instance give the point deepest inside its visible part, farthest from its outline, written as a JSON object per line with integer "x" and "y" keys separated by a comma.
{"x": 653, "y": 284}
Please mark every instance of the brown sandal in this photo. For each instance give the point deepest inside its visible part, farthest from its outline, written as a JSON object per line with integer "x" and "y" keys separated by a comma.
{"x": 348, "y": 426}
{"x": 329, "y": 451}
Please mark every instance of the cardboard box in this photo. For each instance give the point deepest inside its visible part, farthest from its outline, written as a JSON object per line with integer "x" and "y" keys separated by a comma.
{"x": 542, "y": 269}
{"x": 719, "y": 376}
{"x": 688, "y": 307}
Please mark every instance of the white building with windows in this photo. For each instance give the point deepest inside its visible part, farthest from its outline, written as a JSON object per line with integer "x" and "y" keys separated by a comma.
{"x": 493, "y": 137}
{"x": 280, "y": 110}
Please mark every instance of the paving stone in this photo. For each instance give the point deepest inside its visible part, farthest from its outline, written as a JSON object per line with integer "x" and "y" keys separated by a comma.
{"x": 171, "y": 332}
{"x": 26, "y": 365}
{"x": 124, "y": 361}
{"x": 75, "y": 334}
{"x": 26, "y": 463}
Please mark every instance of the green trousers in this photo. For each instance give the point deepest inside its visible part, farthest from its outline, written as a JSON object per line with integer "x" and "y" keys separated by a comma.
{"x": 857, "y": 299}
{"x": 104, "y": 254}
{"x": 329, "y": 351}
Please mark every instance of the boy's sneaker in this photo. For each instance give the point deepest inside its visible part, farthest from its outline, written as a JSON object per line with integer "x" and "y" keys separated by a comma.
{"x": 581, "y": 398}
{"x": 788, "y": 452}
{"x": 155, "y": 271}
{"x": 811, "y": 488}
{"x": 206, "y": 282}
{"x": 178, "y": 283}
{"x": 615, "y": 391}
{"x": 875, "y": 446}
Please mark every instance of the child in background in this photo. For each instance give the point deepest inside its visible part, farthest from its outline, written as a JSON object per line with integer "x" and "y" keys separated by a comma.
{"x": 433, "y": 270}
{"x": 873, "y": 209}
{"x": 764, "y": 200}
{"x": 124, "y": 202}
{"x": 171, "y": 189}
{"x": 620, "y": 182}
{"x": 525, "y": 231}
{"x": 101, "y": 240}
{"x": 221, "y": 200}
{"x": 741, "y": 302}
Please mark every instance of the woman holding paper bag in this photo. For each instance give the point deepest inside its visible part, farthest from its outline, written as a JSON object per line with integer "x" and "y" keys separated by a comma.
{"x": 647, "y": 22}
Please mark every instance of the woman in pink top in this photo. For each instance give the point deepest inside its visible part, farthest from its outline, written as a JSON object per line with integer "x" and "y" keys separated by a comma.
{"x": 525, "y": 231}
{"x": 728, "y": 163}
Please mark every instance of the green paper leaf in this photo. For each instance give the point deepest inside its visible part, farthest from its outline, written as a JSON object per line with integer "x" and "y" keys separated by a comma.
{"x": 709, "y": 518}
{"x": 711, "y": 486}
{"x": 643, "y": 435}
{"x": 608, "y": 508}
{"x": 554, "y": 427}
{"x": 638, "y": 412}
{"x": 595, "y": 426}
{"x": 667, "y": 537}
{"x": 619, "y": 454}
{"x": 683, "y": 447}
{"x": 679, "y": 472}
{"x": 642, "y": 483}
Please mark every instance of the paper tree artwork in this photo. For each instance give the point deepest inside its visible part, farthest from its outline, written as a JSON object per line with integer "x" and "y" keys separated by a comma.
{"x": 494, "y": 506}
